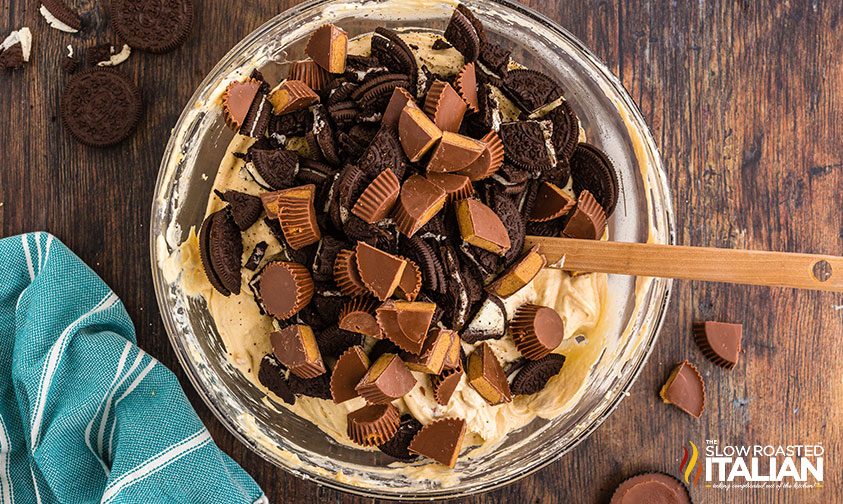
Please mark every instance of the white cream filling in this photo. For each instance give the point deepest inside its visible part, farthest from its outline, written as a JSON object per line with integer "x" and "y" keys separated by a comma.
{"x": 54, "y": 22}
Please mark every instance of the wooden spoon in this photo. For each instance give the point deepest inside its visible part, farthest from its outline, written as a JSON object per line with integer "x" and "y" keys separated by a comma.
{"x": 754, "y": 267}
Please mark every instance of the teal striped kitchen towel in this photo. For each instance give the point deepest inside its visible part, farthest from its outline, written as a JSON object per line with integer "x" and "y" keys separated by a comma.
{"x": 86, "y": 415}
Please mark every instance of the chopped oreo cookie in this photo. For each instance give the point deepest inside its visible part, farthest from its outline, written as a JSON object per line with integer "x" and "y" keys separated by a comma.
{"x": 566, "y": 131}
{"x": 398, "y": 446}
{"x": 319, "y": 387}
{"x": 592, "y": 171}
{"x": 525, "y": 145}
{"x": 220, "y": 250}
{"x": 534, "y": 375}
{"x": 333, "y": 341}
{"x": 272, "y": 168}
{"x": 273, "y": 376}
{"x": 531, "y": 89}
{"x": 245, "y": 208}
{"x": 461, "y": 34}
{"x": 393, "y": 53}
{"x": 256, "y": 256}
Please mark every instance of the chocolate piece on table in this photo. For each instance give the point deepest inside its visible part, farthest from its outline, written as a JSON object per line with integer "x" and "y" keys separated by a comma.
{"x": 380, "y": 271}
{"x": 346, "y": 275}
{"x": 373, "y": 424}
{"x": 416, "y": 132}
{"x": 720, "y": 342}
{"x": 533, "y": 376}
{"x": 237, "y": 101}
{"x": 309, "y": 72}
{"x": 420, "y": 200}
{"x": 445, "y": 106}
{"x": 456, "y": 186}
{"x": 588, "y": 221}
{"x": 400, "y": 98}
{"x": 480, "y": 226}
{"x": 490, "y": 321}
{"x": 220, "y": 251}
{"x": 386, "y": 380}
{"x": 651, "y": 488}
{"x": 271, "y": 376}
{"x": 440, "y": 440}
{"x": 517, "y": 276}
{"x": 405, "y": 323}
{"x": 256, "y": 256}
{"x": 454, "y": 153}
{"x": 431, "y": 358}
{"x": 466, "y": 86}
{"x": 327, "y": 46}
{"x": 536, "y": 330}
{"x": 296, "y": 214}
{"x": 445, "y": 384}
{"x": 486, "y": 375}
{"x": 295, "y": 347}
{"x": 685, "y": 389}
{"x": 411, "y": 282}
{"x": 285, "y": 288}
{"x": 551, "y": 202}
{"x": 358, "y": 315}
{"x": 378, "y": 198}
{"x": 489, "y": 162}
{"x": 292, "y": 96}
{"x": 397, "y": 447}
{"x": 348, "y": 371}
{"x": 592, "y": 170}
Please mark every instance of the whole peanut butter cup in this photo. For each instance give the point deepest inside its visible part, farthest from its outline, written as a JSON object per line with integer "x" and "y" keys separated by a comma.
{"x": 346, "y": 275}
{"x": 685, "y": 389}
{"x": 387, "y": 379}
{"x": 419, "y": 201}
{"x": 348, "y": 371}
{"x": 440, "y": 440}
{"x": 588, "y": 222}
{"x": 373, "y": 424}
{"x": 295, "y": 347}
{"x": 328, "y": 46}
{"x": 486, "y": 375}
{"x": 651, "y": 488}
{"x": 285, "y": 288}
{"x": 536, "y": 330}
{"x": 378, "y": 198}
{"x": 358, "y": 315}
{"x": 445, "y": 106}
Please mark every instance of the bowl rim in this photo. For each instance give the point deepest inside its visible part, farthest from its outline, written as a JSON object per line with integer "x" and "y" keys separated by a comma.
{"x": 660, "y": 304}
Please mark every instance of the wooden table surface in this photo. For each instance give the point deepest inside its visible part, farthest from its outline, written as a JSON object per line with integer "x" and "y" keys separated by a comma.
{"x": 745, "y": 102}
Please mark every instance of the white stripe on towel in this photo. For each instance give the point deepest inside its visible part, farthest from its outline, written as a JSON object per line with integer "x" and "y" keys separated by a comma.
{"x": 108, "y": 402}
{"x": 7, "y": 492}
{"x": 90, "y": 426}
{"x": 50, "y": 239}
{"x": 28, "y": 257}
{"x": 38, "y": 248}
{"x": 128, "y": 391}
{"x": 35, "y": 485}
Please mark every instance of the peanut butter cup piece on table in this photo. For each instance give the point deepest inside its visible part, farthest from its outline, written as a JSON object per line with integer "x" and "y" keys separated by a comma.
{"x": 517, "y": 276}
{"x": 588, "y": 221}
{"x": 347, "y": 373}
{"x": 292, "y": 96}
{"x": 284, "y": 288}
{"x": 454, "y": 153}
{"x": 685, "y": 389}
{"x": 551, "y": 202}
{"x": 489, "y": 162}
{"x": 386, "y": 380}
{"x": 651, "y": 488}
{"x": 419, "y": 201}
{"x": 405, "y": 323}
{"x": 295, "y": 347}
{"x": 445, "y": 384}
{"x": 309, "y": 72}
{"x": 533, "y": 376}
{"x": 346, "y": 275}
{"x": 358, "y": 315}
{"x": 431, "y": 358}
{"x": 486, "y": 375}
{"x": 380, "y": 271}
{"x": 220, "y": 250}
{"x": 440, "y": 440}
{"x": 328, "y": 46}
{"x": 378, "y": 198}
{"x": 536, "y": 330}
{"x": 373, "y": 424}
{"x": 445, "y": 106}
{"x": 480, "y": 226}
{"x": 416, "y": 132}
{"x": 456, "y": 186}
{"x": 397, "y": 447}
{"x": 720, "y": 342}
{"x": 295, "y": 213}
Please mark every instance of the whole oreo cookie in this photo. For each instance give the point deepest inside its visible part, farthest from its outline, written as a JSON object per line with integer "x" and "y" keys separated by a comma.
{"x": 534, "y": 375}
{"x": 592, "y": 170}
{"x": 156, "y": 26}
{"x": 100, "y": 107}
{"x": 531, "y": 89}
{"x": 220, "y": 250}
{"x": 271, "y": 375}
{"x": 398, "y": 446}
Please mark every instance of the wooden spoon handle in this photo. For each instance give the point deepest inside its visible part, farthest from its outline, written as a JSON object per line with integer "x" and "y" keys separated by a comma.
{"x": 781, "y": 269}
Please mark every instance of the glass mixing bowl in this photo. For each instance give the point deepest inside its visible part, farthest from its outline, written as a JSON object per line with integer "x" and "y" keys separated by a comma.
{"x": 633, "y": 312}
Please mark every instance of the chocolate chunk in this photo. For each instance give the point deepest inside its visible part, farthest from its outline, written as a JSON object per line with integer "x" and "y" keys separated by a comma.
{"x": 445, "y": 106}
{"x": 271, "y": 376}
{"x": 416, "y": 132}
{"x": 349, "y": 370}
{"x": 309, "y": 72}
{"x": 489, "y": 162}
{"x": 490, "y": 321}
{"x": 334, "y": 341}
{"x": 386, "y": 380}
{"x": 295, "y": 212}
{"x": 592, "y": 171}
{"x": 466, "y": 86}
{"x": 551, "y": 202}
{"x": 256, "y": 256}
{"x": 420, "y": 200}
{"x": 455, "y": 153}
{"x": 445, "y": 384}
{"x": 292, "y": 96}
{"x": 456, "y": 186}
{"x": 431, "y": 358}
{"x": 384, "y": 152}
{"x": 295, "y": 347}
{"x": 533, "y": 376}
{"x": 285, "y": 288}
{"x": 531, "y": 89}
{"x": 651, "y": 488}
{"x": 373, "y": 425}
{"x": 399, "y": 99}
{"x": 536, "y": 330}
{"x": 395, "y": 54}
{"x": 685, "y": 389}
{"x": 486, "y": 375}
{"x": 273, "y": 168}
{"x": 719, "y": 342}
{"x": 463, "y": 36}
{"x": 480, "y": 226}
{"x": 328, "y": 46}
{"x": 588, "y": 221}
{"x": 378, "y": 198}
{"x": 496, "y": 58}
{"x": 440, "y": 440}
{"x": 358, "y": 315}
{"x": 220, "y": 250}
{"x": 525, "y": 146}
{"x": 397, "y": 447}
{"x": 156, "y": 26}
{"x": 319, "y": 387}
{"x": 245, "y": 208}
{"x": 405, "y": 323}
{"x": 380, "y": 271}
{"x": 100, "y": 107}
{"x": 517, "y": 276}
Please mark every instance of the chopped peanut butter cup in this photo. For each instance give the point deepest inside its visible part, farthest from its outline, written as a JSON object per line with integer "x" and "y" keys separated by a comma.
{"x": 346, "y": 275}
{"x": 420, "y": 200}
{"x": 649, "y": 488}
{"x": 486, "y": 375}
{"x": 411, "y": 282}
{"x": 453, "y": 359}
{"x": 295, "y": 213}
{"x": 380, "y": 271}
{"x": 456, "y": 186}
{"x": 588, "y": 221}
{"x": 440, "y": 440}
{"x": 466, "y": 85}
{"x": 551, "y": 202}
{"x": 431, "y": 358}
{"x": 454, "y": 153}
{"x": 237, "y": 101}
{"x": 292, "y": 96}
{"x": 719, "y": 342}
{"x": 295, "y": 347}
{"x": 480, "y": 226}
{"x": 348, "y": 371}
{"x": 445, "y": 106}
{"x": 685, "y": 389}
{"x": 327, "y": 47}
{"x": 285, "y": 288}
{"x": 378, "y": 198}
{"x": 445, "y": 384}
{"x": 399, "y": 99}
{"x": 416, "y": 132}
{"x": 405, "y": 323}
{"x": 536, "y": 330}
{"x": 358, "y": 315}
{"x": 517, "y": 276}
{"x": 374, "y": 424}
{"x": 307, "y": 71}
{"x": 386, "y": 380}
{"x": 489, "y": 162}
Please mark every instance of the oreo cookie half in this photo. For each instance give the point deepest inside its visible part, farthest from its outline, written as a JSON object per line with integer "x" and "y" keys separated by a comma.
{"x": 531, "y": 89}
{"x": 393, "y": 53}
{"x": 592, "y": 170}
{"x": 220, "y": 250}
{"x": 534, "y": 375}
